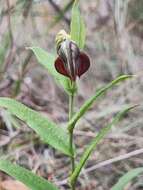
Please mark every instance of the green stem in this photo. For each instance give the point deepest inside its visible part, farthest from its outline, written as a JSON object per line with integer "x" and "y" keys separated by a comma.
{"x": 71, "y": 103}
{"x": 71, "y": 112}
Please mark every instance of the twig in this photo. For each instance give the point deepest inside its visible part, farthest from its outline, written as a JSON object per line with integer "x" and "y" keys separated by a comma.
{"x": 116, "y": 159}
{"x": 27, "y": 7}
{"x": 21, "y": 75}
{"x": 63, "y": 12}
{"x": 58, "y": 9}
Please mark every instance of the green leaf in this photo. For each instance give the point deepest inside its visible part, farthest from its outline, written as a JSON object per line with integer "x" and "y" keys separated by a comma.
{"x": 31, "y": 180}
{"x": 46, "y": 129}
{"x": 125, "y": 179}
{"x": 47, "y": 60}
{"x": 77, "y": 26}
{"x": 89, "y": 102}
{"x": 94, "y": 143}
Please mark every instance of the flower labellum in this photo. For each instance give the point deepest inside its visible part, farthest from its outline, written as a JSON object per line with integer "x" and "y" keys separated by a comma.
{"x": 71, "y": 62}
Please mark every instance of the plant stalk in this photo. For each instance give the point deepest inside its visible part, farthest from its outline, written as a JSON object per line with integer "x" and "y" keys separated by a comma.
{"x": 71, "y": 104}
{"x": 71, "y": 112}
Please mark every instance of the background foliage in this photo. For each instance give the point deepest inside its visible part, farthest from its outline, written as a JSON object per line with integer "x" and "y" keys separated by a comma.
{"x": 114, "y": 43}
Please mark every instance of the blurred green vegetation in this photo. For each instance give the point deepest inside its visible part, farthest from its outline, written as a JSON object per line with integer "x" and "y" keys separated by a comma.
{"x": 136, "y": 10}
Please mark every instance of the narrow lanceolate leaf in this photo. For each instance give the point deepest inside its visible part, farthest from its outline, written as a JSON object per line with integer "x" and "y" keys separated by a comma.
{"x": 47, "y": 60}
{"x": 77, "y": 26}
{"x": 94, "y": 143}
{"x": 90, "y": 102}
{"x": 125, "y": 179}
{"x": 31, "y": 180}
{"x": 46, "y": 129}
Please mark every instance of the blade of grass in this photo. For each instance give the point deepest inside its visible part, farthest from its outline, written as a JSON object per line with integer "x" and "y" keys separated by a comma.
{"x": 89, "y": 102}
{"x": 94, "y": 143}
{"x": 125, "y": 179}
{"x": 4, "y": 45}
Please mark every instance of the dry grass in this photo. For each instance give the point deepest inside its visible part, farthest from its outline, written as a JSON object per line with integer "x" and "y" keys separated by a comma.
{"x": 114, "y": 42}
